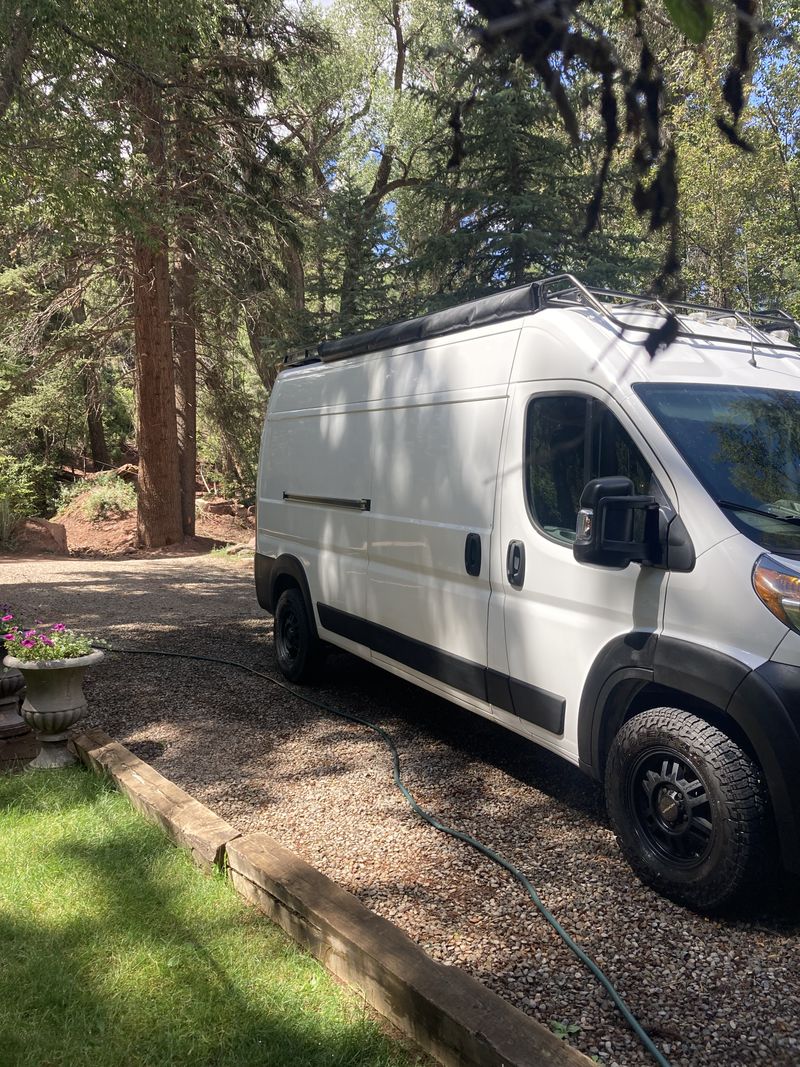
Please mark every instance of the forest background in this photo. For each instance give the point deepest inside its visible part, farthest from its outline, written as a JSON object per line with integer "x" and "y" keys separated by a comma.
{"x": 191, "y": 188}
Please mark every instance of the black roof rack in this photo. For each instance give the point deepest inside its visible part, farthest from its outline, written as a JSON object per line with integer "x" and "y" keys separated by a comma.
{"x": 559, "y": 290}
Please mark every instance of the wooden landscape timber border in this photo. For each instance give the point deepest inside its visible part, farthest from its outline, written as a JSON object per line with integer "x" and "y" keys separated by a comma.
{"x": 446, "y": 1012}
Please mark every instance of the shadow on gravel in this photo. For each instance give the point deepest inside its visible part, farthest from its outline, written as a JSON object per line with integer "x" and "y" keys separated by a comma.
{"x": 429, "y": 732}
{"x": 146, "y": 593}
{"x": 475, "y": 738}
{"x": 775, "y": 909}
{"x": 147, "y": 750}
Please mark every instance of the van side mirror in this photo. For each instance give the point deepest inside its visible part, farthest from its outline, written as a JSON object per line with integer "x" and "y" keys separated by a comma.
{"x": 616, "y": 527}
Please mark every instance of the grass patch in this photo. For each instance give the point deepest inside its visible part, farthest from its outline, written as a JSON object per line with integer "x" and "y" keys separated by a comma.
{"x": 115, "y": 950}
{"x": 222, "y": 554}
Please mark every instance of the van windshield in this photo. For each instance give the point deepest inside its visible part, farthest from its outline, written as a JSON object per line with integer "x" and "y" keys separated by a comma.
{"x": 744, "y": 446}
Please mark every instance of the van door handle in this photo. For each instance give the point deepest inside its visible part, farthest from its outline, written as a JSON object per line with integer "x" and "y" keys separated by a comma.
{"x": 515, "y": 564}
{"x": 472, "y": 554}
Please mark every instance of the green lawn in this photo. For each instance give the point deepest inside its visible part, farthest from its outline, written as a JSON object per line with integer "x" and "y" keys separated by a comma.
{"x": 114, "y": 949}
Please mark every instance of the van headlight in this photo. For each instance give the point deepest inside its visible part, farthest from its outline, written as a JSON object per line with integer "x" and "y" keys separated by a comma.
{"x": 778, "y": 587}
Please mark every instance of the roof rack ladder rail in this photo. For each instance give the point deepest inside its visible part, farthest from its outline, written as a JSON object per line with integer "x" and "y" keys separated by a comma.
{"x": 747, "y": 320}
{"x": 597, "y": 305}
{"x": 589, "y": 296}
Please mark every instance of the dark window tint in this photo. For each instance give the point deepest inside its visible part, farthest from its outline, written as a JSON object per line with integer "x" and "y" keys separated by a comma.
{"x": 615, "y": 452}
{"x": 744, "y": 446}
{"x": 569, "y": 440}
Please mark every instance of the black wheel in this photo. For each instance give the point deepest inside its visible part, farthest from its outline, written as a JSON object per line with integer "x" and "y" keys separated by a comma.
{"x": 689, "y": 808}
{"x": 297, "y": 647}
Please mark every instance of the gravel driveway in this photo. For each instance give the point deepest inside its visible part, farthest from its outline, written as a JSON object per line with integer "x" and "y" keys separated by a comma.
{"x": 709, "y": 991}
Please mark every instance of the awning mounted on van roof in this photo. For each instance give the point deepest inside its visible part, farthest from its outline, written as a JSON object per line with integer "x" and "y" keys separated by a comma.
{"x": 482, "y": 312}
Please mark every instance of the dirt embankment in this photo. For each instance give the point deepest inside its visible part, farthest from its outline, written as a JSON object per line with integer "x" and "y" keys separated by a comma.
{"x": 219, "y": 524}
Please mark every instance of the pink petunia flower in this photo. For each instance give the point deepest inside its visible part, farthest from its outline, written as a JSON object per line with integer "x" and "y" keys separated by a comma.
{"x": 29, "y": 644}
{"x": 58, "y": 626}
{"x": 7, "y": 618}
{"x": 7, "y": 637}
{"x": 46, "y": 640}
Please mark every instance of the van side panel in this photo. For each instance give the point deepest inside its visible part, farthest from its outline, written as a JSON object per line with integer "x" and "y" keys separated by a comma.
{"x": 435, "y": 462}
{"x": 400, "y": 448}
{"x": 433, "y": 485}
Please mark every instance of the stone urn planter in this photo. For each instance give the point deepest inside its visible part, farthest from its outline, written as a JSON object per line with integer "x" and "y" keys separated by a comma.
{"x": 54, "y": 702}
{"x": 11, "y": 686}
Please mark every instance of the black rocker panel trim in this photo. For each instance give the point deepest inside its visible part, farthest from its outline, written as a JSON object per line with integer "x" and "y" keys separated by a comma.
{"x": 498, "y": 690}
{"x": 538, "y": 706}
{"x": 535, "y": 705}
{"x": 462, "y": 674}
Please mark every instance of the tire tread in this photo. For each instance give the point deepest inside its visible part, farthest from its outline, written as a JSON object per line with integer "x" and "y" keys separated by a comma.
{"x": 744, "y": 804}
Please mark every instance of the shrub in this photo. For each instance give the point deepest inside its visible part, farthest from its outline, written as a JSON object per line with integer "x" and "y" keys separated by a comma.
{"x": 104, "y": 497}
{"x": 108, "y": 498}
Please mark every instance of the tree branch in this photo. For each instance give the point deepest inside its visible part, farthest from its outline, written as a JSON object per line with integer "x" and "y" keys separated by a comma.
{"x": 120, "y": 60}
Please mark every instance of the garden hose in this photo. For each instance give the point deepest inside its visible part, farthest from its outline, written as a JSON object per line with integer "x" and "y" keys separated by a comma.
{"x": 460, "y": 835}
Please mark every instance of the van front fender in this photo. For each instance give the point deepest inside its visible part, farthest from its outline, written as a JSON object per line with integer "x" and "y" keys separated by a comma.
{"x": 763, "y": 703}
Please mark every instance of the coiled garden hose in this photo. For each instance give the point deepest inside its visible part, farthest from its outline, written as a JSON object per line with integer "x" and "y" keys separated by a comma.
{"x": 460, "y": 835}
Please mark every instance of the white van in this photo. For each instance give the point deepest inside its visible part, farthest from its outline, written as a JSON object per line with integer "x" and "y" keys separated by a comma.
{"x": 510, "y": 504}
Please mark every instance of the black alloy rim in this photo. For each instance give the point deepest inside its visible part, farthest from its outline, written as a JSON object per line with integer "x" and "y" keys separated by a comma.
{"x": 671, "y": 807}
{"x": 289, "y": 633}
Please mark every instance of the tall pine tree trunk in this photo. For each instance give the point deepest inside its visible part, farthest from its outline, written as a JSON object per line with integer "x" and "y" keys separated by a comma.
{"x": 94, "y": 417}
{"x": 90, "y": 380}
{"x": 184, "y": 297}
{"x": 296, "y": 287}
{"x": 185, "y": 339}
{"x": 353, "y": 255}
{"x": 159, "y": 503}
{"x": 15, "y": 54}
{"x": 266, "y": 367}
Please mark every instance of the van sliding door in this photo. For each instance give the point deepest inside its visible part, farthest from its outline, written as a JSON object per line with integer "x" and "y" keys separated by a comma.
{"x": 433, "y": 492}
{"x": 434, "y": 445}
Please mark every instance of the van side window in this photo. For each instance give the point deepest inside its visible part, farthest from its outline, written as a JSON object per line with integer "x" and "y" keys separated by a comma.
{"x": 568, "y": 441}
